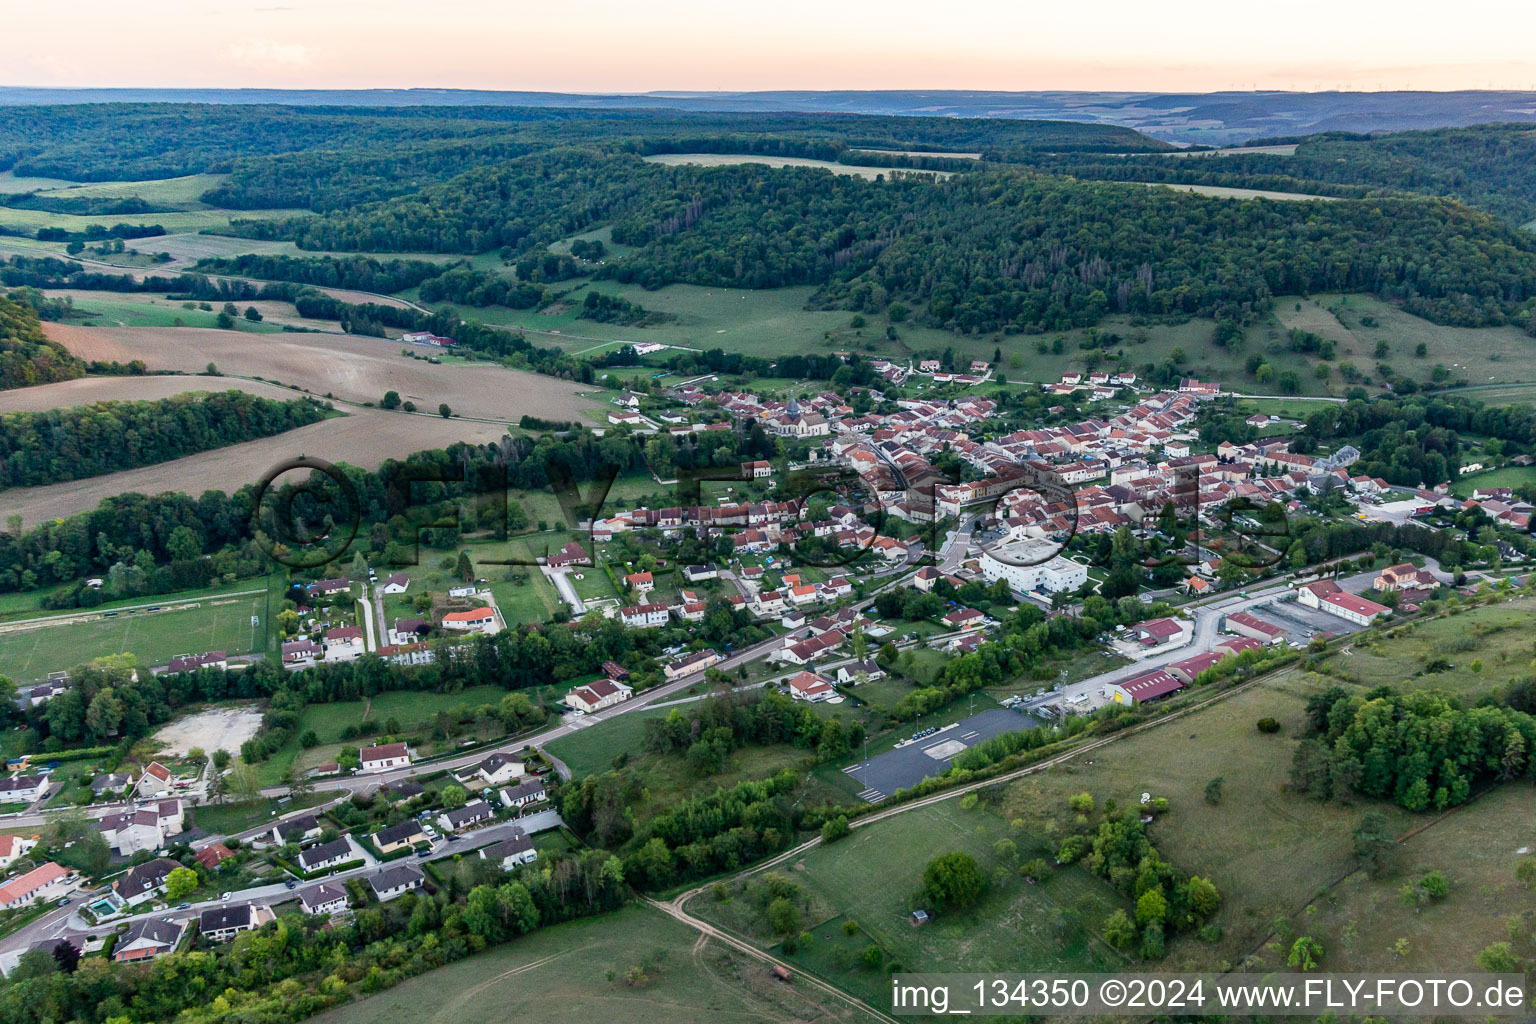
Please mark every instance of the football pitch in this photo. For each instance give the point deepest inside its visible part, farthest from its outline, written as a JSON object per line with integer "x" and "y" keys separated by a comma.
{"x": 152, "y": 633}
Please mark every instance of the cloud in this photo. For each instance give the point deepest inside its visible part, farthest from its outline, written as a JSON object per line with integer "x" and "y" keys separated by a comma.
{"x": 265, "y": 53}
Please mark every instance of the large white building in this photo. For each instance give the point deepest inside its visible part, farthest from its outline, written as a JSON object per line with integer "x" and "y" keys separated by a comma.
{"x": 1028, "y": 564}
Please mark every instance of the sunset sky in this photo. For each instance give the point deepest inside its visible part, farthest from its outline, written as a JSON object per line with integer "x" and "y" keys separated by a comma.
{"x": 601, "y": 45}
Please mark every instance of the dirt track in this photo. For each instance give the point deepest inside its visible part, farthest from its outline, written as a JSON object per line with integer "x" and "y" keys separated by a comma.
{"x": 355, "y": 369}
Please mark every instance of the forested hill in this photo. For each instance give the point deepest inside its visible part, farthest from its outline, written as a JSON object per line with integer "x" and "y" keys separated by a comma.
{"x": 1491, "y": 166}
{"x": 1002, "y": 248}
{"x": 136, "y": 141}
{"x": 27, "y": 356}
{"x": 55, "y": 445}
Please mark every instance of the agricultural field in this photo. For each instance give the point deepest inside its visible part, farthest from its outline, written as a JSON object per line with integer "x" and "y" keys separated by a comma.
{"x": 141, "y": 309}
{"x": 1225, "y": 192}
{"x": 874, "y": 877}
{"x": 33, "y": 648}
{"x": 352, "y": 368}
{"x": 1512, "y": 394}
{"x": 184, "y": 192}
{"x": 575, "y": 971}
{"x": 728, "y": 159}
{"x": 362, "y": 437}
{"x": 187, "y": 220}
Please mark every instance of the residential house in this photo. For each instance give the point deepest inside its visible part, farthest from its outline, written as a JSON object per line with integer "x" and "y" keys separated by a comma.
{"x": 147, "y": 938}
{"x": 344, "y": 643}
{"x": 404, "y": 789}
{"x": 382, "y": 758}
{"x": 300, "y": 831}
{"x": 111, "y": 784}
{"x": 132, "y": 831}
{"x": 144, "y": 881}
{"x": 512, "y": 851}
{"x": 613, "y": 670}
{"x": 811, "y": 687}
{"x": 529, "y": 791}
{"x": 859, "y": 672}
{"x": 193, "y": 662}
{"x": 1406, "y": 577}
{"x": 396, "y": 880}
{"x": 965, "y": 618}
{"x": 22, "y": 789}
{"x": 50, "y": 881}
{"x": 156, "y": 781}
{"x": 395, "y": 583}
{"x": 643, "y": 582}
{"x": 211, "y": 857}
{"x": 476, "y": 812}
{"x": 14, "y": 847}
{"x": 597, "y": 695}
{"x": 300, "y": 653}
{"x": 325, "y": 898}
{"x": 688, "y": 665}
{"x": 220, "y": 924}
{"x": 325, "y": 588}
{"x": 644, "y": 616}
{"x": 399, "y": 837}
{"x": 326, "y": 855}
{"x": 571, "y": 554}
{"x": 495, "y": 770}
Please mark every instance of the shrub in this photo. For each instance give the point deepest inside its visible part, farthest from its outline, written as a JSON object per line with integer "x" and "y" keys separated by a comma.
{"x": 1268, "y": 725}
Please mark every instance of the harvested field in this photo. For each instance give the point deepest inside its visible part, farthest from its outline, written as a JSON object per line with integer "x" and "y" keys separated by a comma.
{"x": 728, "y": 159}
{"x": 364, "y": 437}
{"x": 353, "y": 369}
{"x": 1223, "y": 192}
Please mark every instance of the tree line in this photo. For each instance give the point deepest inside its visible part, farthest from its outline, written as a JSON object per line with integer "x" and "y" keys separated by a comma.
{"x": 55, "y": 445}
{"x": 27, "y": 355}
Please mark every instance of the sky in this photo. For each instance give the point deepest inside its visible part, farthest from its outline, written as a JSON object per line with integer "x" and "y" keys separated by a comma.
{"x": 607, "y": 46}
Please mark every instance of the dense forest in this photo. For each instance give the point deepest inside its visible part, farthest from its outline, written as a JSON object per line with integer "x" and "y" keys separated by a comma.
{"x": 990, "y": 250}
{"x": 27, "y": 356}
{"x": 1490, "y": 166}
{"x": 363, "y": 273}
{"x": 55, "y": 445}
{"x": 138, "y": 141}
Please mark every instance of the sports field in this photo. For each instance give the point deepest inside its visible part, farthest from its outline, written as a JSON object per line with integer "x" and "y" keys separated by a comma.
{"x": 153, "y": 637}
{"x": 575, "y": 972}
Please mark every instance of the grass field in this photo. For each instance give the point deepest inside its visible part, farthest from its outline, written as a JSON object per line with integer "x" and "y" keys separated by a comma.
{"x": 190, "y": 220}
{"x": 1268, "y": 851}
{"x": 874, "y": 878}
{"x": 412, "y": 710}
{"x": 154, "y": 637}
{"x": 10, "y": 183}
{"x": 140, "y": 309}
{"x": 1513, "y": 394}
{"x": 1497, "y": 636}
{"x": 1506, "y": 476}
{"x": 230, "y": 818}
{"x": 183, "y": 191}
{"x": 574, "y": 971}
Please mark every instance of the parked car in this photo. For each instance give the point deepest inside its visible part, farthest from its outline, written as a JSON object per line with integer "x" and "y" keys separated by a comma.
{"x": 224, "y": 897}
{"x": 183, "y": 906}
{"x": 290, "y": 885}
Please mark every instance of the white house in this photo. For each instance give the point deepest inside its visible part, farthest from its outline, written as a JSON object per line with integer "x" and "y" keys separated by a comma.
{"x": 473, "y": 813}
{"x": 643, "y": 582}
{"x": 156, "y": 781}
{"x": 598, "y": 695}
{"x": 144, "y": 881}
{"x": 132, "y": 831}
{"x": 395, "y": 583}
{"x": 324, "y": 898}
{"x": 497, "y": 769}
{"x": 326, "y": 855}
{"x": 12, "y": 847}
{"x": 476, "y": 620}
{"x": 22, "y": 789}
{"x": 383, "y": 758}
{"x": 220, "y": 924}
{"x": 644, "y": 616}
{"x": 344, "y": 643}
{"x": 812, "y": 687}
{"x": 41, "y": 883}
{"x": 529, "y": 791}
{"x": 518, "y": 849}
{"x": 696, "y": 662}
{"x": 396, "y": 880}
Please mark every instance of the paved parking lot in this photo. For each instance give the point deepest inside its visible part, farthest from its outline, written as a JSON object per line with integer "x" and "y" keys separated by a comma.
{"x": 906, "y": 766}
